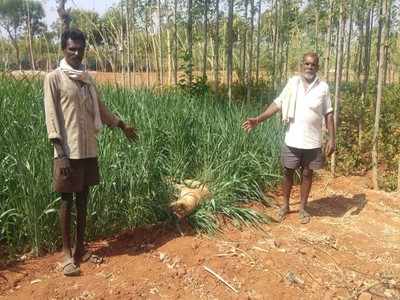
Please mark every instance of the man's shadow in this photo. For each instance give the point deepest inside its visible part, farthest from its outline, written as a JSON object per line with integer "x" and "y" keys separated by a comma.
{"x": 337, "y": 206}
{"x": 145, "y": 239}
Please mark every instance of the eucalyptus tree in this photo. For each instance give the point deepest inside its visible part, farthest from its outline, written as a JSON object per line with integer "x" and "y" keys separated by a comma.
{"x": 229, "y": 49}
{"x": 365, "y": 68}
{"x": 349, "y": 36}
{"x": 275, "y": 42}
{"x": 90, "y": 23}
{"x": 190, "y": 42}
{"x": 113, "y": 28}
{"x": 382, "y": 53}
{"x": 249, "y": 73}
{"x": 244, "y": 41}
{"x": 339, "y": 64}
{"x": 328, "y": 41}
{"x": 216, "y": 44}
{"x": 128, "y": 37}
{"x": 205, "y": 38}
{"x": 388, "y": 33}
{"x": 160, "y": 46}
{"x": 258, "y": 41}
{"x": 17, "y": 17}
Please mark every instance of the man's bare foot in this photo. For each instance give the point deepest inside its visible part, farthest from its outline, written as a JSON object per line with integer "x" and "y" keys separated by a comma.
{"x": 283, "y": 212}
{"x": 89, "y": 256}
{"x": 304, "y": 216}
{"x": 69, "y": 268}
{"x": 83, "y": 256}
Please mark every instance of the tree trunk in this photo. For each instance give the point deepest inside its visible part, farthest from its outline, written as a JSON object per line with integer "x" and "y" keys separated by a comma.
{"x": 275, "y": 43}
{"x": 287, "y": 59}
{"x": 360, "y": 45}
{"x": 133, "y": 44}
{"x": 147, "y": 45}
{"x": 387, "y": 49}
{"x": 122, "y": 45}
{"x": 175, "y": 43}
{"x": 244, "y": 42}
{"x": 229, "y": 50}
{"x": 29, "y": 28}
{"x": 348, "y": 57}
{"x": 281, "y": 40}
{"x": 365, "y": 62}
{"x": 367, "y": 54}
{"x": 375, "y": 137}
{"x": 169, "y": 57}
{"x": 328, "y": 42}
{"x": 156, "y": 57}
{"x": 216, "y": 45}
{"x": 205, "y": 39}
{"x": 64, "y": 15}
{"x": 190, "y": 43}
{"x": 128, "y": 40}
{"x": 337, "y": 48}
{"x": 250, "y": 63}
{"x": 339, "y": 63}
{"x": 378, "y": 41}
{"x": 258, "y": 42}
{"x": 161, "y": 50}
{"x": 317, "y": 9}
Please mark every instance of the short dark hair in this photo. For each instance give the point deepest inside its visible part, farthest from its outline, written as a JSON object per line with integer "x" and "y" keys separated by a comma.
{"x": 313, "y": 55}
{"x": 73, "y": 34}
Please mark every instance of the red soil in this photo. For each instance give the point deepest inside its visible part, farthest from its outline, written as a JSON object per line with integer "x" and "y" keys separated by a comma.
{"x": 349, "y": 250}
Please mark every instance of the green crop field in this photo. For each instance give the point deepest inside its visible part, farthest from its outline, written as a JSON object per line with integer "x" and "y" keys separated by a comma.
{"x": 181, "y": 137}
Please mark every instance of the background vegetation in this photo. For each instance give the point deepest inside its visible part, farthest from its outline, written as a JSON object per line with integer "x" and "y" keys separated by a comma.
{"x": 211, "y": 63}
{"x": 181, "y": 137}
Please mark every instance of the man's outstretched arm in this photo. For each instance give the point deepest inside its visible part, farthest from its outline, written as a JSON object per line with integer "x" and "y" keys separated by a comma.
{"x": 111, "y": 120}
{"x": 251, "y": 123}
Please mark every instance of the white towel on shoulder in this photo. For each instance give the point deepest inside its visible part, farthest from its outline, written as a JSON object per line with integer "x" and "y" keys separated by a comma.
{"x": 288, "y": 98}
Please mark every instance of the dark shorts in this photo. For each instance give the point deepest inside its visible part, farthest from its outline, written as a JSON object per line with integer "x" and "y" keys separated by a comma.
{"x": 84, "y": 173}
{"x": 293, "y": 158}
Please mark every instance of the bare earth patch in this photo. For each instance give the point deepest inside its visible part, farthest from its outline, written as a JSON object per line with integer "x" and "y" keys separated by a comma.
{"x": 349, "y": 250}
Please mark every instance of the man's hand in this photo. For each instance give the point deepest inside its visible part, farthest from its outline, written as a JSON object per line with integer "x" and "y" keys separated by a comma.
{"x": 330, "y": 147}
{"x": 65, "y": 167}
{"x": 250, "y": 124}
{"x": 130, "y": 132}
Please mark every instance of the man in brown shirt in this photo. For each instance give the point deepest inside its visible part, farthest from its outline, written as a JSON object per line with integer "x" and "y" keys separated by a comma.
{"x": 74, "y": 117}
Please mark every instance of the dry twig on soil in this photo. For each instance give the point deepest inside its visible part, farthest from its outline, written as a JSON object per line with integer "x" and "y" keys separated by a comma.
{"x": 366, "y": 289}
{"x": 221, "y": 279}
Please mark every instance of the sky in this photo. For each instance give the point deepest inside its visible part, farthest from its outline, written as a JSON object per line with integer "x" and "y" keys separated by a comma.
{"x": 50, "y": 7}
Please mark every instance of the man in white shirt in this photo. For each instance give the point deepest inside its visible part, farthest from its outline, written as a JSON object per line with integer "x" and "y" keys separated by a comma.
{"x": 304, "y": 103}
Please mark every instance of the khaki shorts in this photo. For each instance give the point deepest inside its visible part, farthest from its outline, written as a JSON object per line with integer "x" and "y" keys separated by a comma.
{"x": 293, "y": 158}
{"x": 84, "y": 173}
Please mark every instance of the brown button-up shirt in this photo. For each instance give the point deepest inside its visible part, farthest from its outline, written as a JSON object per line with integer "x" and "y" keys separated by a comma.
{"x": 70, "y": 115}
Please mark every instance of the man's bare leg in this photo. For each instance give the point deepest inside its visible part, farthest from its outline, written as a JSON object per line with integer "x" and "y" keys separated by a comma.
{"x": 287, "y": 188}
{"x": 81, "y": 210}
{"x": 65, "y": 222}
{"x": 69, "y": 267}
{"x": 306, "y": 183}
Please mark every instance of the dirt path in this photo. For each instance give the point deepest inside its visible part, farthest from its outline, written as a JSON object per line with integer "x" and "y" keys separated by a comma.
{"x": 350, "y": 250}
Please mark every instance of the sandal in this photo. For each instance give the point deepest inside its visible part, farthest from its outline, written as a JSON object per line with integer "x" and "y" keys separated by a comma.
{"x": 304, "y": 216}
{"x": 89, "y": 256}
{"x": 282, "y": 214}
{"x": 69, "y": 268}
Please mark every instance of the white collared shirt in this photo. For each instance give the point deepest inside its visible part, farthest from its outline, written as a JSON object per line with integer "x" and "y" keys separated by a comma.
{"x": 312, "y": 104}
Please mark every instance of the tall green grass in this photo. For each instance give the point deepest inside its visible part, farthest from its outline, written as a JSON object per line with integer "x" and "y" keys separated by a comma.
{"x": 181, "y": 137}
